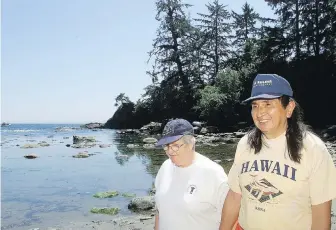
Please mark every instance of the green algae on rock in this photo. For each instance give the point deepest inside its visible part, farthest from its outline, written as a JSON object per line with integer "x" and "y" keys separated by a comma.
{"x": 128, "y": 194}
{"x": 106, "y": 194}
{"x": 108, "y": 211}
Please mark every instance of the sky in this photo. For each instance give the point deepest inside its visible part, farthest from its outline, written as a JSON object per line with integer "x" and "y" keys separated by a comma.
{"x": 65, "y": 61}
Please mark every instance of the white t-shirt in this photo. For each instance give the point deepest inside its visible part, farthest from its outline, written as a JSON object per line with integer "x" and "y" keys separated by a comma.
{"x": 190, "y": 197}
{"x": 277, "y": 193}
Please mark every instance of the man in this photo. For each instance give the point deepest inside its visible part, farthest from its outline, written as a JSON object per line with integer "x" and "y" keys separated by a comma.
{"x": 190, "y": 188}
{"x": 283, "y": 176}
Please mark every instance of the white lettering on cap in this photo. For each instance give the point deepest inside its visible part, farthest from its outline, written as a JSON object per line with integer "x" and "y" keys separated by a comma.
{"x": 262, "y": 83}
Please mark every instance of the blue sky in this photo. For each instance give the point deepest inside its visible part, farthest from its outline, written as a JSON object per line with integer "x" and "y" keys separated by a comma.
{"x": 65, "y": 61}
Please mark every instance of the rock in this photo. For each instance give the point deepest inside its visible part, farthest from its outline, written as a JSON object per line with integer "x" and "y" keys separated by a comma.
{"x": 142, "y": 203}
{"x": 152, "y": 192}
{"x": 145, "y": 218}
{"x": 150, "y": 140}
{"x": 132, "y": 146}
{"x": 132, "y": 131}
{"x": 121, "y": 156}
{"x": 198, "y": 124}
{"x": 197, "y": 130}
{"x": 78, "y": 139}
{"x": 43, "y": 144}
{"x": 331, "y": 147}
{"x": 329, "y": 133}
{"x": 93, "y": 125}
{"x": 108, "y": 194}
{"x": 128, "y": 195}
{"x": 67, "y": 145}
{"x": 106, "y": 210}
{"x": 104, "y": 146}
{"x": 229, "y": 140}
{"x": 149, "y": 146}
{"x": 3, "y": 124}
{"x": 152, "y": 128}
{"x": 81, "y": 155}
{"x": 65, "y": 129}
{"x": 239, "y": 134}
{"x": 30, "y": 156}
{"x": 209, "y": 129}
{"x": 83, "y": 145}
{"x": 29, "y": 146}
{"x": 217, "y": 161}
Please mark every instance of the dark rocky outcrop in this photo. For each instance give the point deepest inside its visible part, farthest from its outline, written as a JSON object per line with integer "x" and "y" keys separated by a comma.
{"x": 123, "y": 118}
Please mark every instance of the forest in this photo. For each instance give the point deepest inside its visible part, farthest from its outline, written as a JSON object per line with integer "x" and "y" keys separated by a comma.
{"x": 203, "y": 67}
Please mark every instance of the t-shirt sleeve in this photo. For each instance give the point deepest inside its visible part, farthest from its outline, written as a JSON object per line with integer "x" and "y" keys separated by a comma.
{"x": 157, "y": 179}
{"x": 322, "y": 181}
{"x": 223, "y": 188}
{"x": 233, "y": 177}
{"x": 157, "y": 183}
{"x": 158, "y": 175}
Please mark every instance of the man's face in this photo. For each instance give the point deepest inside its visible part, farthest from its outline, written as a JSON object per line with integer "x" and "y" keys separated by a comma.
{"x": 270, "y": 116}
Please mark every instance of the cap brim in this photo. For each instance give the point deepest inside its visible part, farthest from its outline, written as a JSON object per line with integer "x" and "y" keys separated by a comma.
{"x": 168, "y": 140}
{"x": 262, "y": 96}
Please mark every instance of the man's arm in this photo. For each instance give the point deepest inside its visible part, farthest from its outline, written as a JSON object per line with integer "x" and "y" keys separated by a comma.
{"x": 230, "y": 210}
{"x": 156, "y": 223}
{"x": 321, "y": 216}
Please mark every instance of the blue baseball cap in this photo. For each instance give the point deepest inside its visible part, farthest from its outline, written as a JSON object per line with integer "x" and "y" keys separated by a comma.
{"x": 174, "y": 130}
{"x": 269, "y": 86}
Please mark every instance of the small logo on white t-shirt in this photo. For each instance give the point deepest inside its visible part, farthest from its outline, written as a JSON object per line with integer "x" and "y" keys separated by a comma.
{"x": 191, "y": 189}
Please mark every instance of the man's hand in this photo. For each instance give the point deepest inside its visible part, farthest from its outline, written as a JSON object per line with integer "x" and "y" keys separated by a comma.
{"x": 321, "y": 216}
{"x": 230, "y": 210}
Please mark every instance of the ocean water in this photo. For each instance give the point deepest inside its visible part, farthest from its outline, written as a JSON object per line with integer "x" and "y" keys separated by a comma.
{"x": 55, "y": 187}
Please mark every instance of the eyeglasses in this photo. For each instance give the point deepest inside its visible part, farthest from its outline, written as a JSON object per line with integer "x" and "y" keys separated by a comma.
{"x": 174, "y": 148}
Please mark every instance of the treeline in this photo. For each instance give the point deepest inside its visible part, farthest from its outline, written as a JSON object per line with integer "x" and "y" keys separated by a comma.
{"x": 203, "y": 67}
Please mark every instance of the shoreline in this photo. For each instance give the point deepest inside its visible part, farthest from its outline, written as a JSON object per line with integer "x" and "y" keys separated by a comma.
{"x": 135, "y": 222}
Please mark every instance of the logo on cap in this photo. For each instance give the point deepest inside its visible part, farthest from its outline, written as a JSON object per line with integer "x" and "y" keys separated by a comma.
{"x": 262, "y": 83}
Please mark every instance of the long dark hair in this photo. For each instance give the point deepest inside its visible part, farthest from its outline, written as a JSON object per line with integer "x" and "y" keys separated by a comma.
{"x": 296, "y": 130}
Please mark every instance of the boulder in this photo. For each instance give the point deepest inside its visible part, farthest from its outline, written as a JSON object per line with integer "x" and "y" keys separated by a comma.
{"x": 209, "y": 129}
{"x": 150, "y": 140}
{"x": 30, "y": 156}
{"x": 78, "y": 139}
{"x": 142, "y": 203}
{"x": 152, "y": 128}
{"x": 198, "y": 124}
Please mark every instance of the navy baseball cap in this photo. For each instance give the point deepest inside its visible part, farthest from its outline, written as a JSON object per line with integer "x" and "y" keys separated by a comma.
{"x": 174, "y": 130}
{"x": 269, "y": 86}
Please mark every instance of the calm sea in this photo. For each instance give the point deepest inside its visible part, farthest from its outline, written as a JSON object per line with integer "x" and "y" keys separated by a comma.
{"x": 56, "y": 189}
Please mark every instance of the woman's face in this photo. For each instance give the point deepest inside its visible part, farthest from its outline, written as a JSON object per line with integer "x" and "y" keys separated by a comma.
{"x": 271, "y": 117}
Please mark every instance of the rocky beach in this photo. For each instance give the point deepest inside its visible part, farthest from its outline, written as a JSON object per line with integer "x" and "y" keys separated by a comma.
{"x": 71, "y": 177}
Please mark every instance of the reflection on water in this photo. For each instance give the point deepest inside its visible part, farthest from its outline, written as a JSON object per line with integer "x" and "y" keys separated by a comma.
{"x": 57, "y": 188}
